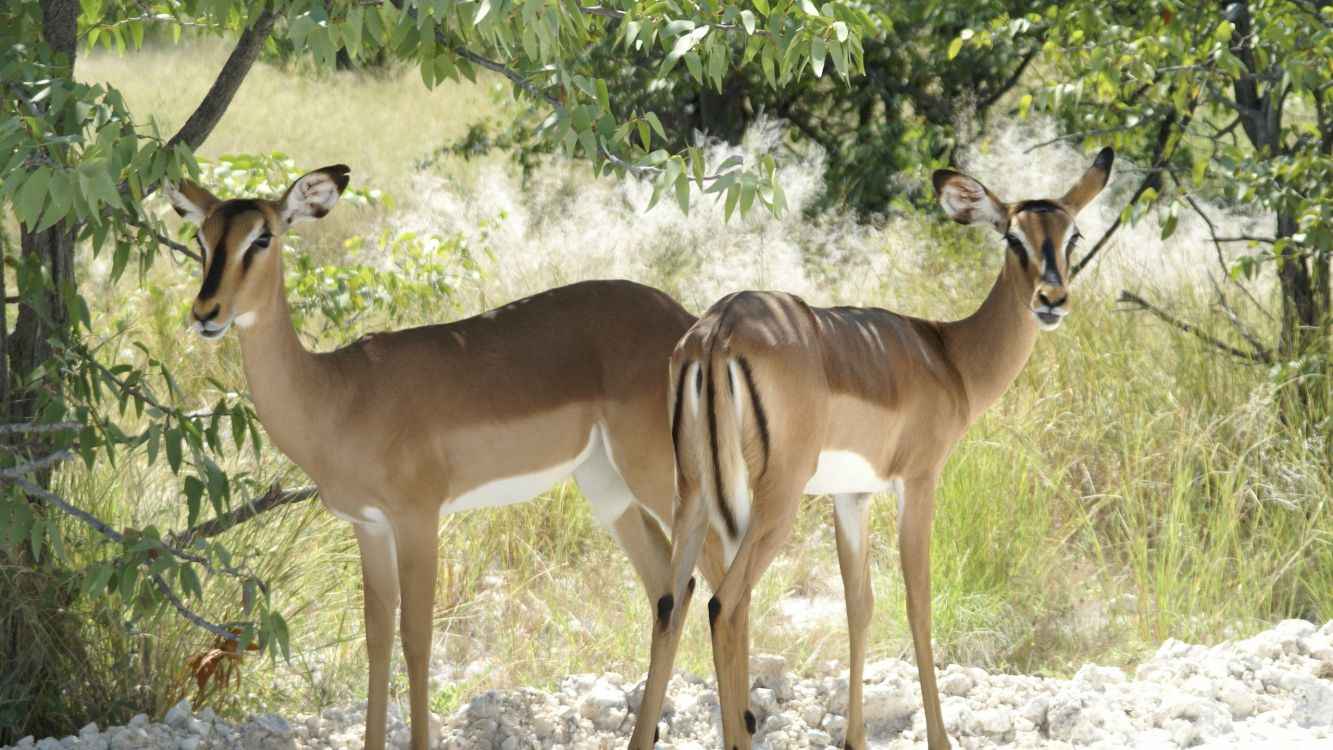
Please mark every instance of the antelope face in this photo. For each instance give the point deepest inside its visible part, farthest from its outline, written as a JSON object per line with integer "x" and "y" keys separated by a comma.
{"x": 1041, "y": 234}
{"x": 241, "y": 244}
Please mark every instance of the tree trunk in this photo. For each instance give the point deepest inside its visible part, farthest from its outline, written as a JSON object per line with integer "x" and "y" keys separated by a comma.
{"x": 39, "y": 323}
{"x": 1301, "y": 313}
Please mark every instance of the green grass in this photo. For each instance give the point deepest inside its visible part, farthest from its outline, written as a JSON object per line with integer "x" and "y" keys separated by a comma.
{"x": 1134, "y": 484}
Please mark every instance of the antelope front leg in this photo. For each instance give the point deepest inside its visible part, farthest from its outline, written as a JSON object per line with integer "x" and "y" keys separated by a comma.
{"x": 914, "y": 548}
{"x": 418, "y": 552}
{"x": 851, "y": 520}
{"x": 379, "y": 578}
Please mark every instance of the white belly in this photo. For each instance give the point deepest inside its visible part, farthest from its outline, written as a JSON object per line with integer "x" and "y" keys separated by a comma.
{"x": 516, "y": 489}
{"x": 841, "y": 472}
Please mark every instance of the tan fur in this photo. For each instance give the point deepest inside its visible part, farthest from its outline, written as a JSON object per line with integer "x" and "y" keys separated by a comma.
{"x": 403, "y": 423}
{"x": 897, "y": 391}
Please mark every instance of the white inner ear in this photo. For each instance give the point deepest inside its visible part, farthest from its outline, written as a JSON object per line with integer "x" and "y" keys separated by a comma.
{"x": 310, "y": 198}
{"x": 188, "y": 210}
{"x": 966, "y": 201}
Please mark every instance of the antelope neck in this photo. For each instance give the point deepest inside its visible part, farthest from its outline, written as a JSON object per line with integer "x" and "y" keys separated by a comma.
{"x": 990, "y": 346}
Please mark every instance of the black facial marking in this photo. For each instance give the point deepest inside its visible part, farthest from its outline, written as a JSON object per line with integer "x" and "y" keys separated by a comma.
{"x": 1052, "y": 273}
{"x": 750, "y": 723}
{"x": 1017, "y": 246}
{"x": 657, "y": 734}
{"x": 760, "y": 418}
{"x": 664, "y": 606}
{"x": 714, "y": 609}
{"x": 690, "y": 587}
{"x": 1039, "y": 206}
{"x": 213, "y": 278}
{"x": 232, "y": 209}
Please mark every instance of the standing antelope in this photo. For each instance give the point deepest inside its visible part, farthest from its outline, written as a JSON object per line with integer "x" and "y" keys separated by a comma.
{"x": 772, "y": 395}
{"x": 399, "y": 428}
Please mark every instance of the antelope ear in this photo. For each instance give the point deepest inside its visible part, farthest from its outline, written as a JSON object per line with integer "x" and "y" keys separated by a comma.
{"x": 1091, "y": 183}
{"x": 190, "y": 201}
{"x": 313, "y": 194}
{"x": 967, "y": 201}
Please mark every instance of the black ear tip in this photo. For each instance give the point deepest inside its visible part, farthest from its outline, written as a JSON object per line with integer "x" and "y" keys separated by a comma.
{"x": 1105, "y": 158}
{"x": 940, "y": 177}
{"x": 340, "y": 173}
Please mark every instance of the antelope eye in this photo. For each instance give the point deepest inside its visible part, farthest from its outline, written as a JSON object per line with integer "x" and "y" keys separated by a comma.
{"x": 262, "y": 241}
{"x": 1014, "y": 243}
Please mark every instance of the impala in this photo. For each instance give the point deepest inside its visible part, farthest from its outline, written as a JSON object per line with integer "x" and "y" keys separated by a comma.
{"x": 775, "y": 397}
{"x": 400, "y": 428}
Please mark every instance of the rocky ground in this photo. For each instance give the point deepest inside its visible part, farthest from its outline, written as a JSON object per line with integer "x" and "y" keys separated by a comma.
{"x": 1274, "y": 690}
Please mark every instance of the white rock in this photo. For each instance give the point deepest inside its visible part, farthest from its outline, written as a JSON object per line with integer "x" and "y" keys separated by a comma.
{"x": 1099, "y": 677}
{"x": 1239, "y": 698}
{"x": 955, "y": 683}
{"x": 994, "y": 721}
{"x": 888, "y": 710}
{"x": 1312, "y": 699}
{"x": 604, "y": 705}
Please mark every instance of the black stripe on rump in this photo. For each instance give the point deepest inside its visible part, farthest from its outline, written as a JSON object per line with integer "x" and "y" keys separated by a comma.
{"x": 675, "y": 414}
{"x": 760, "y": 417}
{"x": 728, "y": 519}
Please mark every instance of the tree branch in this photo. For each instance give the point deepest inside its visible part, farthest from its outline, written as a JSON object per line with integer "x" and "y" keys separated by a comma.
{"x": 13, "y": 427}
{"x": 36, "y": 464}
{"x": 1152, "y": 180}
{"x": 1217, "y": 246}
{"x": 189, "y": 614}
{"x": 1127, "y": 296}
{"x": 274, "y": 498}
{"x": 1165, "y": 114}
{"x": 196, "y": 129}
{"x": 1009, "y": 82}
{"x": 130, "y": 218}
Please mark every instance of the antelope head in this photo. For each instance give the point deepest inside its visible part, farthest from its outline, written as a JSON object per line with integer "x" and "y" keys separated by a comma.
{"x": 241, "y": 243}
{"x": 1040, "y": 233}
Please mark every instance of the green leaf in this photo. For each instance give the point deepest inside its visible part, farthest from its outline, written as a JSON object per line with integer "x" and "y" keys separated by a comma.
{"x": 762, "y": 7}
{"x": 33, "y": 196}
{"x": 817, "y": 52}
{"x": 955, "y": 47}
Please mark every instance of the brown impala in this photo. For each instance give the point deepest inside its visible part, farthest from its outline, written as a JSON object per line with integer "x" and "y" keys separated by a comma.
{"x": 773, "y": 396}
{"x": 401, "y": 428}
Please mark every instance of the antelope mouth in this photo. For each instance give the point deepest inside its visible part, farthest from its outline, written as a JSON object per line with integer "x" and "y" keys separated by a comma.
{"x": 1049, "y": 320}
{"x": 210, "y": 331}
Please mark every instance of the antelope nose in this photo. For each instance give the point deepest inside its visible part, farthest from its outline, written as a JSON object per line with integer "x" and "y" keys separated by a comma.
{"x": 1061, "y": 297}
{"x": 217, "y": 307}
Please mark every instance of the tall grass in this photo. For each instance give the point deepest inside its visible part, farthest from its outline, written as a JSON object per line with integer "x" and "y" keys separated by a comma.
{"x": 1134, "y": 484}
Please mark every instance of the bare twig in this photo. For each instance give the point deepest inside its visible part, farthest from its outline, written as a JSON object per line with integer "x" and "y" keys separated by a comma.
{"x": 1246, "y": 238}
{"x": 496, "y": 67}
{"x": 1169, "y": 112}
{"x": 50, "y": 498}
{"x": 130, "y": 218}
{"x": 1217, "y": 246}
{"x": 274, "y": 498}
{"x": 13, "y": 427}
{"x": 1130, "y": 297}
{"x": 36, "y": 464}
{"x": 1259, "y": 349}
{"x": 189, "y": 614}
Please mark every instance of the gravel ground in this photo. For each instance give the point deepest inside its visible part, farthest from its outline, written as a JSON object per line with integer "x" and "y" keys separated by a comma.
{"x": 1274, "y": 690}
